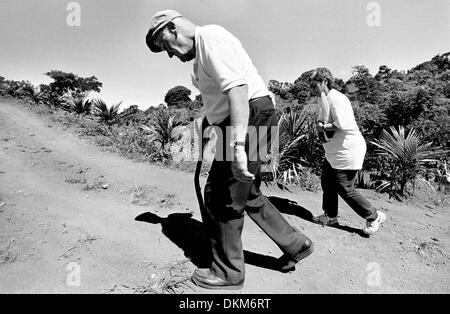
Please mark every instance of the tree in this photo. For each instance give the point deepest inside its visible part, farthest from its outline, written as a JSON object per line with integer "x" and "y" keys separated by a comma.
{"x": 178, "y": 96}
{"x": 442, "y": 62}
{"x": 2, "y": 86}
{"x": 384, "y": 73}
{"x": 281, "y": 89}
{"x": 437, "y": 64}
{"x": 301, "y": 91}
{"x": 446, "y": 90}
{"x": 404, "y": 107}
{"x": 341, "y": 85}
{"x": 68, "y": 82}
{"x": 274, "y": 86}
{"x": 435, "y": 128}
{"x": 132, "y": 115}
{"x": 371, "y": 120}
{"x": 365, "y": 87}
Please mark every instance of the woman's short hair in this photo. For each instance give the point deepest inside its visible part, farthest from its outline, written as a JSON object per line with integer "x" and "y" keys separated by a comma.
{"x": 322, "y": 74}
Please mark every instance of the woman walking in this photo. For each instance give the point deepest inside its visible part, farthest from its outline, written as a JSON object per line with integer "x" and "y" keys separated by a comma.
{"x": 345, "y": 149}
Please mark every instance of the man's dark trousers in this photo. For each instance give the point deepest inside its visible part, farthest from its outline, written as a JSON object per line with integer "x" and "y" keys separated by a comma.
{"x": 226, "y": 200}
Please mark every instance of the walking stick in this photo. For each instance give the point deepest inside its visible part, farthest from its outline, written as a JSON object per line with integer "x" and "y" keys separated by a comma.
{"x": 198, "y": 189}
{"x": 198, "y": 168}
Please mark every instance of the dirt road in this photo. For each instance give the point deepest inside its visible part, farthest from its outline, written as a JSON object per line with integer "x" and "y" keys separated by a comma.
{"x": 75, "y": 219}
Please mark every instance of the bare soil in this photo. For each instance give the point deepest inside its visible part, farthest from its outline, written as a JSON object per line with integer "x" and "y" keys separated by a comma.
{"x": 134, "y": 227}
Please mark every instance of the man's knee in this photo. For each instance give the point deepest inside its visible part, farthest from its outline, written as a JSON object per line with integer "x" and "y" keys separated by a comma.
{"x": 257, "y": 202}
{"x": 237, "y": 204}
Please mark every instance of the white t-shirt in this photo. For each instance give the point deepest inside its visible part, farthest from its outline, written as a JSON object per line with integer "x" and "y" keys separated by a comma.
{"x": 347, "y": 148}
{"x": 221, "y": 63}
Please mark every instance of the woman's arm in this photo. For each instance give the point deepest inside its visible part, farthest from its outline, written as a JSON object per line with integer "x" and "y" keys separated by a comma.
{"x": 324, "y": 112}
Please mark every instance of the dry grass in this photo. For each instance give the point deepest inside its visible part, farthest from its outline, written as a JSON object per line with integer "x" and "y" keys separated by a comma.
{"x": 431, "y": 253}
{"x": 142, "y": 195}
{"x": 76, "y": 180}
{"x": 172, "y": 279}
{"x": 6, "y": 255}
{"x": 88, "y": 184}
{"x": 169, "y": 201}
{"x": 86, "y": 239}
{"x": 95, "y": 184}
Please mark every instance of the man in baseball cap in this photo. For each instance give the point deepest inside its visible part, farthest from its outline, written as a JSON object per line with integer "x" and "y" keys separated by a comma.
{"x": 234, "y": 97}
{"x": 159, "y": 20}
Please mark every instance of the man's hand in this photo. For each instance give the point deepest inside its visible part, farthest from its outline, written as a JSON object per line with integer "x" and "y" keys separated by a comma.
{"x": 239, "y": 165}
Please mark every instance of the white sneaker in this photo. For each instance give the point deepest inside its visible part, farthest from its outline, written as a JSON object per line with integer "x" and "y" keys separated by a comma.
{"x": 373, "y": 226}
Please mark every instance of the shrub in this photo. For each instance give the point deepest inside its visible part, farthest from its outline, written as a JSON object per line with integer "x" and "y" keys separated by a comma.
{"x": 79, "y": 104}
{"x": 298, "y": 142}
{"x": 107, "y": 115}
{"x": 296, "y": 175}
{"x": 34, "y": 93}
{"x": 407, "y": 157}
{"x": 163, "y": 127}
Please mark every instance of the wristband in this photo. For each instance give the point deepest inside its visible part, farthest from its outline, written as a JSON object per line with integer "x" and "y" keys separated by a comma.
{"x": 237, "y": 143}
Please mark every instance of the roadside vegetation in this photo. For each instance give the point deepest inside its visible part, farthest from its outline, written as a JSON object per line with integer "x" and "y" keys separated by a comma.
{"x": 403, "y": 115}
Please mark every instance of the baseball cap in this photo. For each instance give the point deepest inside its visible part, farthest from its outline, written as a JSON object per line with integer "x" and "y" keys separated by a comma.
{"x": 159, "y": 20}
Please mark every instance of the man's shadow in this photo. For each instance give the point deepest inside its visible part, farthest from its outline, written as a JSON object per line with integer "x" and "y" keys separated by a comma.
{"x": 289, "y": 207}
{"x": 189, "y": 235}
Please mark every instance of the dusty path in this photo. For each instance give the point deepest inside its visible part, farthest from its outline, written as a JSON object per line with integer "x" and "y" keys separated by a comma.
{"x": 48, "y": 220}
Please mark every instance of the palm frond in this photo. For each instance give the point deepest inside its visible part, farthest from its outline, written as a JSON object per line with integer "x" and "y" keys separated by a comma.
{"x": 407, "y": 154}
{"x": 163, "y": 128}
{"x": 291, "y": 131}
{"x": 108, "y": 115}
{"x": 78, "y": 103}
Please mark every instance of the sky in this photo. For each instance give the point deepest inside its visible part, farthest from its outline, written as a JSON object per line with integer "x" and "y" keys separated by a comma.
{"x": 284, "y": 38}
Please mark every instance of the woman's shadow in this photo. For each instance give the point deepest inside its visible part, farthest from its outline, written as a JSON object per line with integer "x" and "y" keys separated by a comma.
{"x": 189, "y": 235}
{"x": 289, "y": 207}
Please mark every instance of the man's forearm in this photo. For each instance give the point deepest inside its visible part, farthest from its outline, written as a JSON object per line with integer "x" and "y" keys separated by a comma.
{"x": 239, "y": 112}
